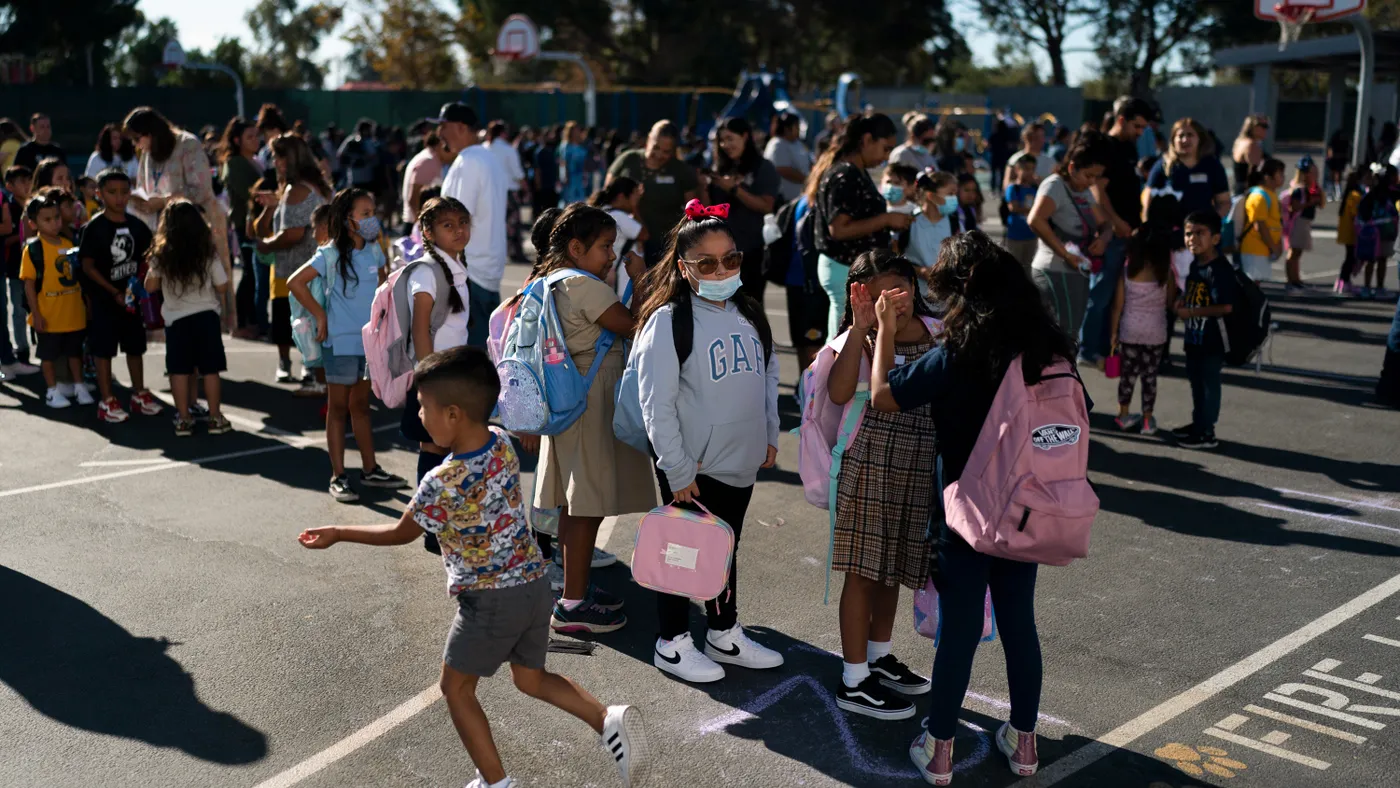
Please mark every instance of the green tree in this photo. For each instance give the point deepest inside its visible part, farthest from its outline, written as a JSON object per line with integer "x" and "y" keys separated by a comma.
{"x": 1138, "y": 38}
{"x": 70, "y": 41}
{"x": 407, "y": 43}
{"x": 287, "y": 36}
{"x": 140, "y": 50}
{"x": 1043, "y": 24}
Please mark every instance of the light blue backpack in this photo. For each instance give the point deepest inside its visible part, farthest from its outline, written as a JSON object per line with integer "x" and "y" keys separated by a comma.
{"x": 542, "y": 391}
{"x": 303, "y": 323}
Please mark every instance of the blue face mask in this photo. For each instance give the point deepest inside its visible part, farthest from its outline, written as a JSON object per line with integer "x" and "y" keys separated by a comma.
{"x": 718, "y": 289}
{"x": 368, "y": 228}
{"x": 949, "y": 206}
{"x": 919, "y": 149}
{"x": 959, "y": 144}
{"x": 893, "y": 193}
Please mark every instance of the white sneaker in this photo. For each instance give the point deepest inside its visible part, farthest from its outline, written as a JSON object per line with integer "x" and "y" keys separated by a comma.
{"x": 18, "y": 368}
{"x": 735, "y": 648}
{"x": 66, "y": 389}
{"x": 54, "y": 398}
{"x": 84, "y": 396}
{"x": 681, "y": 659}
{"x": 625, "y": 739}
{"x": 480, "y": 782}
{"x": 555, "y": 573}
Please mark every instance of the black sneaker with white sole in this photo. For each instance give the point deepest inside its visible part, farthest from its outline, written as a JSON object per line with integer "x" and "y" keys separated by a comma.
{"x": 341, "y": 490}
{"x": 1203, "y": 440}
{"x": 873, "y": 699}
{"x": 897, "y": 676}
{"x": 378, "y": 477}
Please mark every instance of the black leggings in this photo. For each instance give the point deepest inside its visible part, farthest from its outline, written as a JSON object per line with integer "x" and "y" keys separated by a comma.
{"x": 728, "y": 504}
{"x": 1348, "y": 264}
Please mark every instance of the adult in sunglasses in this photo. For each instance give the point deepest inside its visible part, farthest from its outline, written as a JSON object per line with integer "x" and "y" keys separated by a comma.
{"x": 1248, "y": 150}
{"x": 917, "y": 149}
{"x": 749, "y": 183}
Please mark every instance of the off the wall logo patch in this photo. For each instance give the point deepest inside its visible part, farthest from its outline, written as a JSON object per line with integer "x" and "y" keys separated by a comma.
{"x": 1052, "y": 435}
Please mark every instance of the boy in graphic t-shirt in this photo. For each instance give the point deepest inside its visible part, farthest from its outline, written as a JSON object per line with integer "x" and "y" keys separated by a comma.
{"x": 55, "y": 299}
{"x": 112, "y": 252}
{"x": 1210, "y": 294}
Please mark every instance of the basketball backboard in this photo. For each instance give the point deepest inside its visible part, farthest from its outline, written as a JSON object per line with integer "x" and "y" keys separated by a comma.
{"x": 1293, "y": 15}
{"x": 518, "y": 39}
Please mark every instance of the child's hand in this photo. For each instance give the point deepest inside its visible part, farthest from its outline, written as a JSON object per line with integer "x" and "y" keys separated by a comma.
{"x": 530, "y": 443}
{"x": 40, "y": 324}
{"x": 688, "y": 494}
{"x": 887, "y": 309}
{"x": 319, "y": 538}
{"x": 862, "y": 308}
{"x": 322, "y": 330}
{"x": 772, "y": 458}
{"x": 899, "y": 222}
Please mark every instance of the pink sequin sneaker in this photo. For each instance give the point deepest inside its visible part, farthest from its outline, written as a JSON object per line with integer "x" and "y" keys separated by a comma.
{"x": 934, "y": 757}
{"x": 1019, "y": 749}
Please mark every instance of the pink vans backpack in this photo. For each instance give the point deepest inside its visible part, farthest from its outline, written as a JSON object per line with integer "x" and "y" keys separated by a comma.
{"x": 389, "y": 332}
{"x": 683, "y": 552}
{"x": 1024, "y": 494}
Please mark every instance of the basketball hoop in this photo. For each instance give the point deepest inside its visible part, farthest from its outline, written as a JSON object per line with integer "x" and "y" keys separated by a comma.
{"x": 517, "y": 40}
{"x": 1292, "y": 16}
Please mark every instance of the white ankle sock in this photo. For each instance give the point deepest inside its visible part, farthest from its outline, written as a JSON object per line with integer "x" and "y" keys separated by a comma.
{"x": 853, "y": 673}
{"x": 874, "y": 649}
{"x": 570, "y": 604}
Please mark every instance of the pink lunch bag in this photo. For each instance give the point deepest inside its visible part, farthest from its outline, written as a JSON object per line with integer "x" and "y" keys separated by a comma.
{"x": 683, "y": 552}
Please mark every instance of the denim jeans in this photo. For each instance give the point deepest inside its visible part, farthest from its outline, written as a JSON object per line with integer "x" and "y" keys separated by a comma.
{"x": 963, "y": 578}
{"x": 1203, "y": 370}
{"x": 16, "y": 343}
{"x": 483, "y": 303}
{"x": 1094, "y": 341}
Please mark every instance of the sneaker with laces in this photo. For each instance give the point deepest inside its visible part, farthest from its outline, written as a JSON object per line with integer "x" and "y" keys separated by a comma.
{"x": 587, "y": 617}
{"x": 378, "y": 477}
{"x": 1184, "y": 431}
{"x": 604, "y": 599}
{"x": 897, "y": 676}
{"x": 284, "y": 372}
{"x": 681, "y": 659}
{"x": 198, "y": 412}
{"x": 218, "y": 425}
{"x": 55, "y": 398}
{"x": 18, "y": 369}
{"x": 184, "y": 428}
{"x": 934, "y": 757}
{"x": 602, "y": 558}
{"x": 110, "y": 411}
{"x": 83, "y": 396}
{"x": 1019, "y": 749}
{"x": 1127, "y": 422}
{"x": 145, "y": 403}
{"x": 555, "y": 573}
{"x": 872, "y": 698}
{"x": 1149, "y": 425}
{"x": 1200, "y": 440}
{"x": 341, "y": 490}
{"x": 624, "y": 738}
{"x": 734, "y": 647}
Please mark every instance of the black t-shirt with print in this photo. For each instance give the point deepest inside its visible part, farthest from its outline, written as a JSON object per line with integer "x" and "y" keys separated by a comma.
{"x": 847, "y": 189}
{"x": 1124, "y": 184}
{"x": 117, "y": 249}
{"x": 31, "y": 153}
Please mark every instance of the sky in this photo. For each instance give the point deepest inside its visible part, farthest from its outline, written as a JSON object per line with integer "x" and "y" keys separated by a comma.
{"x": 201, "y": 26}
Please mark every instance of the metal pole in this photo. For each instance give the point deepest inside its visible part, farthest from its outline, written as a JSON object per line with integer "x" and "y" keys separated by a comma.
{"x": 590, "y": 90}
{"x": 1365, "y": 87}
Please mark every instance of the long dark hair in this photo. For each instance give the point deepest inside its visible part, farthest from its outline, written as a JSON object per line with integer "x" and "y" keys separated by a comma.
{"x": 1267, "y": 168}
{"x": 1383, "y": 191}
{"x": 620, "y": 186}
{"x": 848, "y": 141}
{"x": 44, "y": 170}
{"x": 229, "y": 142}
{"x": 1151, "y": 247}
{"x": 146, "y": 122}
{"x": 433, "y": 210}
{"x": 301, "y": 164}
{"x": 183, "y": 247}
{"x": 993, "y": 310}
{"x": 555, "y": 228}
{"x": 665, "y": 284}
{"x": 748, "y": 161}
{"x": 877, "y": 263}
{"x": 1089, "y": 148}
{"x": 338, "y": 228}
{"x": 104, "y": 142}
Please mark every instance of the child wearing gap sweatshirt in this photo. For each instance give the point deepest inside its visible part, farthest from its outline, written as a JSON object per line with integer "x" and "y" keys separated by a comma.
{"x": 711, "y": 417}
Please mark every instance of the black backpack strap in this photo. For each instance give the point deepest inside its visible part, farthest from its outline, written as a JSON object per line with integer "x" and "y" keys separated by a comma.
{"x": 36, "y": 256}
{"x": 683, "y": 328}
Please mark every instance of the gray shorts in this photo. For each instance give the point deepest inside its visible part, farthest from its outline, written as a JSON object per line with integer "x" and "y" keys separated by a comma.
{"x": 500, "y": 625}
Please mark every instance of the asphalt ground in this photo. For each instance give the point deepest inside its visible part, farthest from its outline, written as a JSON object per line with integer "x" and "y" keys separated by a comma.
{"x": 160, "y": 626}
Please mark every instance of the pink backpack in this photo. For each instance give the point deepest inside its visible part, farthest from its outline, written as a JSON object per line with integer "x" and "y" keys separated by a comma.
{"x": 1024, "y": 494}
{"x": 389, "y": 332}
{"x": 683, "y": 552}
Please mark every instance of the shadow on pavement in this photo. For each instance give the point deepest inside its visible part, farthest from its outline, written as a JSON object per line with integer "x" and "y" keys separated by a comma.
{"x": 82, "y": 669}
{"x": 1308, "y": 310}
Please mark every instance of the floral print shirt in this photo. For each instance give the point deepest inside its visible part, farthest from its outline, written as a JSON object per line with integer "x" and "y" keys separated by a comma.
{"x": 473, "y": 503}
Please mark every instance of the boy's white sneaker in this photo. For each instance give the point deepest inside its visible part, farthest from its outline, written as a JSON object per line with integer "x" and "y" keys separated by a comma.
{"x": 681, "y": 659}
{"x": 625, "y": 739}
{"x": 54, "y": 398}
{"x": 480, "y": 782}
{"x": 736, "y": 648}
{"x": 18, "y": 369}
{"x": 84, "y": 396}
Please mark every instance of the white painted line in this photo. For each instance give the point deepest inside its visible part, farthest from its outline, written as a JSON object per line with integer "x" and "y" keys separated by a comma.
{"x": 1307, "y": 725}
{"x": 1384, "y": 693}
{"x": 294, "y": 443}
{"x": 1328, "y": 517}
{"x": 1324, "y": 710}
{"x": 1348, "y": 501}
{"x": 118, "y": 463}
{"x": 1379, "y": 639}
{"x": 1277, "y": 752}
{"x": 399, "y": 715}
{"x": 1172, "y": 708}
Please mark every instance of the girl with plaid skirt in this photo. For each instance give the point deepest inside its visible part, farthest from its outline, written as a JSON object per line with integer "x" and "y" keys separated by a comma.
{"x": 883, "y": 497}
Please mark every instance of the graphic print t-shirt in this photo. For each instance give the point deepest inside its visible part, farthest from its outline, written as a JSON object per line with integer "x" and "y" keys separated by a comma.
{"x": 473, "y": 503}
{"x": 117, "y": 249}
{"x": 1207, "y": 285}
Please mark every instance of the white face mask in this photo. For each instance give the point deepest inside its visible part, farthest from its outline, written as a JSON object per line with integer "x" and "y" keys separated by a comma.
{"x": 718, "y": 289}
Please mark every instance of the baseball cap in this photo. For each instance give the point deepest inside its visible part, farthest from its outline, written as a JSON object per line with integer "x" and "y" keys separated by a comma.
{"x": 455, "y": 112}
{"x": 1305, "y": 163}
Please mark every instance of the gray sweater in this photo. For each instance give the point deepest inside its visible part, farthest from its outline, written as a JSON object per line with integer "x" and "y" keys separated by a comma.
{"x": 719, "y": 411}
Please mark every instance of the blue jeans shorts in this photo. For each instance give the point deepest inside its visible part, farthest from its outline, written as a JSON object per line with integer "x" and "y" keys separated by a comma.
{"x": 343, "y": 370}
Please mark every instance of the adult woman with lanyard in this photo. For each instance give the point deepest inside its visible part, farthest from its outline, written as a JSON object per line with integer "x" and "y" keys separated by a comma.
{"x": 239, "y": 171}
{"x": 1191, "y": 169}
{"x": 173, "y": 164}
{"x": 1248, "y": 150}
{"x": 1065, "y": 215}
{"x": 847, "y": 207}
{"x": 749, "y": 183}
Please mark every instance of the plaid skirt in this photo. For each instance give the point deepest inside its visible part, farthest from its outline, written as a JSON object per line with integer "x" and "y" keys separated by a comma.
{"x": 885, "y": 495}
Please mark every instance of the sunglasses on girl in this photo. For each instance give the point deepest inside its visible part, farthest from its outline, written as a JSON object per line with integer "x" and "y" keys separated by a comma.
{"x": 707, "y": 265}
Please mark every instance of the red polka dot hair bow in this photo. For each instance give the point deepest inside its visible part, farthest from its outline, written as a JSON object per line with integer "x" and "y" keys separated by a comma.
{"x": 695, "y": 210}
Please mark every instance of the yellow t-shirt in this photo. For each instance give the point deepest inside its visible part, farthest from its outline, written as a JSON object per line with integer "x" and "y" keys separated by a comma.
{"x": 279, "y": 288}
{"x": 61, "y": 298}
{"x": 1346, "y": 222}
{"x": 1258, "y": 208}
